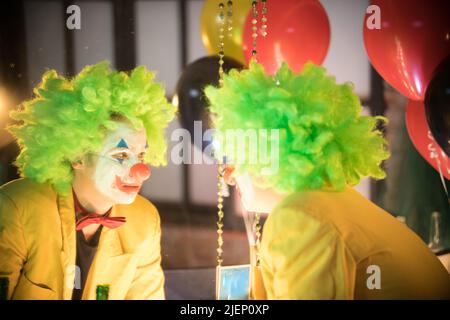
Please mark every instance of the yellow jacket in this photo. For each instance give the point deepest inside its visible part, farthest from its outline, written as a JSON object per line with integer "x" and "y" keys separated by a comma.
{"x": 37, "y": 247}
{"x": 337, "y": 245}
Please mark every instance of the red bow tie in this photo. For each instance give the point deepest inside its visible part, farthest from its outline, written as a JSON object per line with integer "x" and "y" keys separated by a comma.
{"x": 94, "y": 218}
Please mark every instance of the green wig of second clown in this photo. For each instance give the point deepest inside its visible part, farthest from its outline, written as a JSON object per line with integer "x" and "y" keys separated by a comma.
{"x": 324, "y": 141}
{"x": 68, "y": 118}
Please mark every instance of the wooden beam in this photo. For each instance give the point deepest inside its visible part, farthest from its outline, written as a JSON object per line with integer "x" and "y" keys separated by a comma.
{"x": 124, "y": 34}
{"x": 69, "y": 43}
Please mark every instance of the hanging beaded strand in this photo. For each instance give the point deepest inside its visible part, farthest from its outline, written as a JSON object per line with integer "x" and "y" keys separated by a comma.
{"x": 257, "y": 223}
{"x": 220, "y": 215}
{"x": 264, "y": 18}
{"x": 230, "y": 18}
{"x": 220, "y": 212}
{"x": 258, "y": 236}
{"x": 221, "y": 41}
{"x": 254, "y": 27}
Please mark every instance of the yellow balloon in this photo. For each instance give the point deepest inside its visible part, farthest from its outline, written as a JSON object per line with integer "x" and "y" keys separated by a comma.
{"x": 210, "y": 24}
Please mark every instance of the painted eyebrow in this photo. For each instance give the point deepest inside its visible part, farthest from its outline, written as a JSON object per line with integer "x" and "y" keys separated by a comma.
{"x": 122, "y": 144}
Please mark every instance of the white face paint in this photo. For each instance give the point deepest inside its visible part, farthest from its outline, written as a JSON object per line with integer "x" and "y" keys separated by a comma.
{"x": 123, "y": 148}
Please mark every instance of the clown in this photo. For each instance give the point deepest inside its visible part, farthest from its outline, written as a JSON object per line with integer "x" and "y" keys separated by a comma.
{"x": 322, "y": 239}
{"x": 75, "y": 220}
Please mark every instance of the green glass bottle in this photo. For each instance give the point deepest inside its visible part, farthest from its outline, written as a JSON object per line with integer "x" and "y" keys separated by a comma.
{"x": 4, "y": 286}
{"x": 102, "y": 292}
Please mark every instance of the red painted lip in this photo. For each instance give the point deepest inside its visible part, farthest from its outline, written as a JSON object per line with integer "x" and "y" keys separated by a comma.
{"x": 127, "y": 188}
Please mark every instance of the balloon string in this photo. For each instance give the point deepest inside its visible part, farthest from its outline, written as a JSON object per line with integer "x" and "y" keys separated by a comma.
{"x": 434, "y": 155}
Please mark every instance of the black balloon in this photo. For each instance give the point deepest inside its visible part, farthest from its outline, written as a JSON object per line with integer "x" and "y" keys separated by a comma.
{"x": 192, "y": 103}
{"x": 437, "y": 105}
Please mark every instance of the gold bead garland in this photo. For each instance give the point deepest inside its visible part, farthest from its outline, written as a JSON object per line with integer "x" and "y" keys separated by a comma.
{"x": 254, "y": 27}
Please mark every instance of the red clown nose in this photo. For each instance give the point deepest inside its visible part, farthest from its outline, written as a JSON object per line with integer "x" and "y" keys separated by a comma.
{"x": 140, "y": 171}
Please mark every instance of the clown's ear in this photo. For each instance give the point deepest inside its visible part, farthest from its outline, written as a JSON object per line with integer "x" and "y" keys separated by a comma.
{"x": 78, "y": 164}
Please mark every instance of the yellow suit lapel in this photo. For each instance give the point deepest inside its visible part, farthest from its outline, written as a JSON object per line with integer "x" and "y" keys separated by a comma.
{"x": 68, "y": 254}
{"x": 108, "y": 262}
{"x": 106, "y": 267}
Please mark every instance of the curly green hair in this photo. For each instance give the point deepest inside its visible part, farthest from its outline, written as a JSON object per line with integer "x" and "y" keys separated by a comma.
{"x": 68, "y": 118}
{"x": 324, "y": 143}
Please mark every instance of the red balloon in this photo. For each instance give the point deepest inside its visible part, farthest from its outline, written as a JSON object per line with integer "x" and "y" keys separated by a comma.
{"x": 423, "y": 140}
{"x": 414, "y": 38}
{"x": 297, "y": 31}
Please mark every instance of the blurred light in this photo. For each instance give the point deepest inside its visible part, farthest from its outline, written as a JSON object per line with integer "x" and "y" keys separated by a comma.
{"x": 417, "y": 83}
{"x": 205, "y": 40}
{"x": 278, "y": 54}
{"x": 194, "y": 93}
{"x": 216, "y": 144}
{"x": 417, "y": 24}
{"x": 175, "y": 100}
{"x": 4, "y": 102}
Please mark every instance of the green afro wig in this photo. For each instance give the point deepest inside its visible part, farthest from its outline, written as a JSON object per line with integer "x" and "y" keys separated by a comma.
{"x": 68, "y": 118}
{"x": 324, "y": 142}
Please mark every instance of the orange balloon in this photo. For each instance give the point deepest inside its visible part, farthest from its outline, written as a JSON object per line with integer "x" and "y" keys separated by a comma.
{"x": 210, "y": 24}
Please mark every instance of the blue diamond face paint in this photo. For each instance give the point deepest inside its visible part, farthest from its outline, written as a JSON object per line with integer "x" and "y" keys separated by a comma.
{"x": 122, "y": 144}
